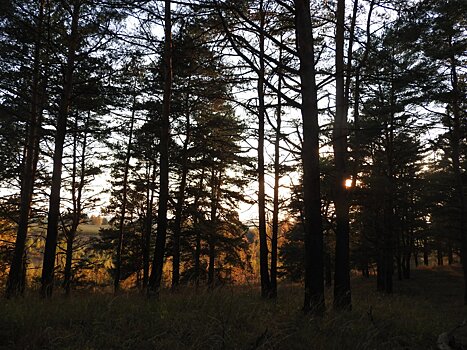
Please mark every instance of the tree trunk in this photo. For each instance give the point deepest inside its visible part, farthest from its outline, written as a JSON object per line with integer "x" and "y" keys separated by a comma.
{"x": 121, "y": 224}
{"x": 179, "y": 208}
{"x": 77, "y": 190}
{"x": 148, "y": 227}
{"x": 314, "y": 275}
{"x": 15, "y": 280}
{"x": 406, "y": 266}
{"x": 425, "y": 252}
{"x": 215, "y": 192}
{"x": 328, "y": 270}
{"x": 450, "y": 254}
{"x": 342, "y": 294}
{"x": 439, "y": 256}
{"x": 48, "y": 266}
{"x": 158, "y": 262}
{"x": 197, "y": 256}
{"x": 263, "y": 243}
{"x": 275, "y": 212}
{"x": 212, "y": 260}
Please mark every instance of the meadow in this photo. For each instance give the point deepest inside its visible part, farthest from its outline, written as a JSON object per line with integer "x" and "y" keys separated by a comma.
{"x": 235, "y": 317}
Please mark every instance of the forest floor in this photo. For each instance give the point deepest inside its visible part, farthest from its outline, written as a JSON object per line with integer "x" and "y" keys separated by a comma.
{"x": 422, "y": 308}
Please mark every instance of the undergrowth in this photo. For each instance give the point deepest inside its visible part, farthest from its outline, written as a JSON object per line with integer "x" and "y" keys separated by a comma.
{"x": 236, "y": 318}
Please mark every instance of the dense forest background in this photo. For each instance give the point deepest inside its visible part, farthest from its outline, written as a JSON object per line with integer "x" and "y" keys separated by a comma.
{"x": 135, "y": 135}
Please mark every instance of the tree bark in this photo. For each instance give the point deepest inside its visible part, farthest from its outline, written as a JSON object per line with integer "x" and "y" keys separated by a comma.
{"x": 158, "y": 262}
{"x": 342, "y": 293}
{"x": 314, "y": 275}
{"x": 263, "y": 244}
{"x": 48, "y": 266}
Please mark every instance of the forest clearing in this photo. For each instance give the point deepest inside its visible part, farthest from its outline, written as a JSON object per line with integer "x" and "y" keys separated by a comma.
{"x": 235, "y": 317}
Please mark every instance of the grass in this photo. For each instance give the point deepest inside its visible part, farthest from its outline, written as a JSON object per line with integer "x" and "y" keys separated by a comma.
{"x": 236, "y": 318}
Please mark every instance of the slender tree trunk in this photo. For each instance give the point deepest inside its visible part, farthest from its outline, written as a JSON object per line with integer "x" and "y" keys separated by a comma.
{"x": 342, "y": 294}
{"x": 121, "y": 224}
{"x": 148, "y": 227}
{"x": 263, "y": 244}
{"x": 406, "y": 266}
{"x": 158, "y": 262}
{"x": 77, "y": 190}
{"x": 198, "y": 232}
{"x": 450, "y": 253}
{"x": 356, "y": 107}
{"x": 425, "y": 253}
{"x": 48, "y": 266}
{"x": 212, "y": 260}
{"x": 179, "y": 207}
{"x": 314, "y": 275}
{"x": 277, "y": 175}
{"x": 15, "y": 280}
{"x": 215, "y": 183}
{"x": 439, "y": 256}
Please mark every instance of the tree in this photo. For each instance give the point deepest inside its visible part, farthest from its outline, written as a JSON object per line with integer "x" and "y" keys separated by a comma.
{"x": 314, "y": 279}
{"x": 84, "y": 20}
{"x": 31, "y": 148}
{"x": 342, "y": 293}
{"x": 438, "y": 28}
{"x": 158, "y": 262}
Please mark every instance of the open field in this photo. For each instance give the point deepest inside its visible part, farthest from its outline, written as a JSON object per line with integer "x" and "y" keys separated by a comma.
{"x": 236, "y": 318}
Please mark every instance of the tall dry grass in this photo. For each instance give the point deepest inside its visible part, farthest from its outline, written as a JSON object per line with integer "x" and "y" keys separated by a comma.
{"x": 236, "y": 318}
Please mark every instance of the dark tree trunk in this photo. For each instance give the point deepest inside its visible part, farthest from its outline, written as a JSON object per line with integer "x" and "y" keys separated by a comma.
{"x": 212, "y": 260}
{"x": 342, "y": 294}
{"x": 275, "y": 212}
{"x": 121, "y": 224}
{"x": 215, "y": 191}
{"x": 439, "y": 256}
{"x": 48, "y": 266}
{"x": 450, "y": 254}
{"x": 158, "y": 262}
{"x": 16, "y": 277}
{"x": 328, "y": 270}
{"x": 77, "y": 190}
{"x": 406, "y": 266}
{"x": 179, "y": 208}
{"x": 263, "y": 243}
{"x": 425, "y": 253}
{"x": 314, "y": 279}
{"x": 148, "y": 227}
{"x": 197, "y": 256}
